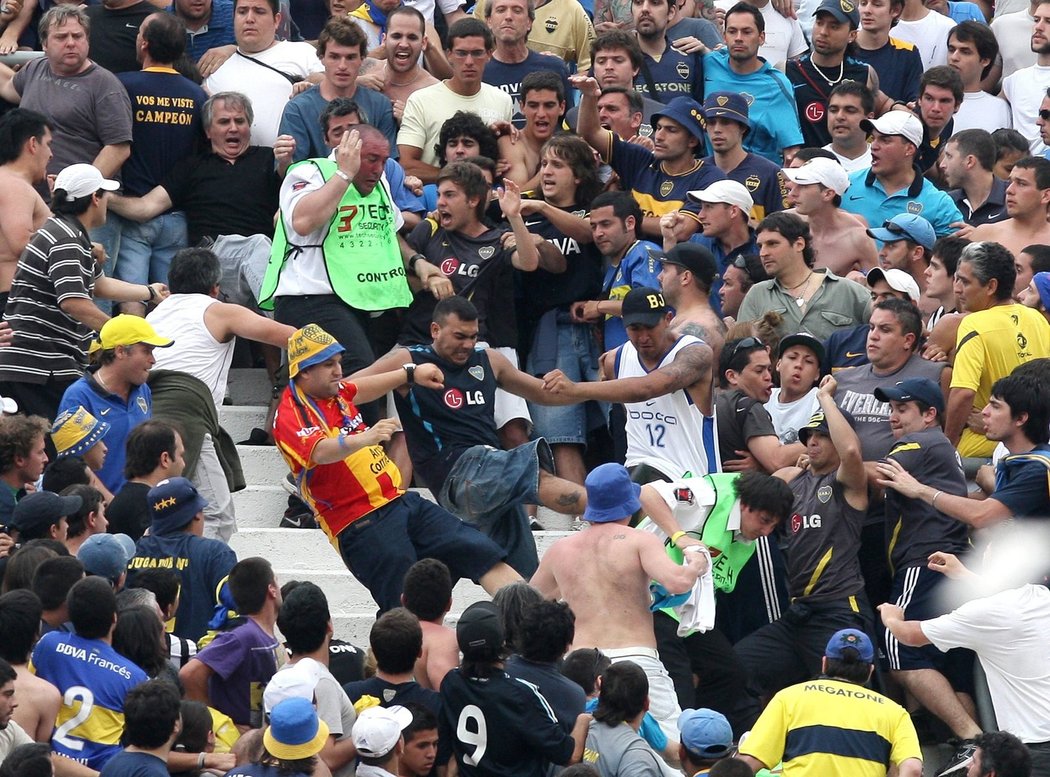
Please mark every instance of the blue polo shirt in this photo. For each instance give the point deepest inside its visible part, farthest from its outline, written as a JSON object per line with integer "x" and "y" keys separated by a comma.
{"x": 302, "y": 120}
{"x": 121, "y": 416}
{"x": 1022, "y": 482}
{"x": 636, "y": 269}
{"x": 771, "y": 104}
{"x": 217, "y": 32}
{"x": 846, "y": 348}
{"x": 867, "y": 198}
{"x": 723, "y": 258}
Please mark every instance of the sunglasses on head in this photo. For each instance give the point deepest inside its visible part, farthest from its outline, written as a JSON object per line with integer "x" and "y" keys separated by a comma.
{"x": 746, "y": 345}
{"x": 897, "y": 229}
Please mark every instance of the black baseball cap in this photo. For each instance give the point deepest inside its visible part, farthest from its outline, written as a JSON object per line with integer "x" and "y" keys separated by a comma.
{"x": 818, "y": 423}
{"x": 35, "y": 512}
{"x": 693, "y": 257}
{"x": 922, "y": 389}
{"x": 802, "y": 338}
{"x": 643, "y": 306}
{"x": 479, "y": 631}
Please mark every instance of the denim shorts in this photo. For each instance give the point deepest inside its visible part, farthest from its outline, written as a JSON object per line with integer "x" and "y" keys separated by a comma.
{"x": 145, "y": 251}
{"x": 578, "y": 358}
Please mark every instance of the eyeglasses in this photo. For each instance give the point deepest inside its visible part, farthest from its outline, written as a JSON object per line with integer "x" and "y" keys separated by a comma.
{"x": 897, "y": 229}
{"x": 746, "y": 345}
{"x": 1044, "y": 114}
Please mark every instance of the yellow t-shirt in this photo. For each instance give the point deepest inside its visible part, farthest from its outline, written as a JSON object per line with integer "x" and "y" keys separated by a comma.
{"x": 832, "y": 728}
{"x": 989, "y": 345}
{"x": 561, "y": 27}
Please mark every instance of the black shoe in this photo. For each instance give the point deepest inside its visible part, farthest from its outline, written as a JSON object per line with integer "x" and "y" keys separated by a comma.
{"x": 534, "y": 524}
{"x": 960, "y": 761}
{"x": 298, "y": 518}
{"x": 257, "y": 437}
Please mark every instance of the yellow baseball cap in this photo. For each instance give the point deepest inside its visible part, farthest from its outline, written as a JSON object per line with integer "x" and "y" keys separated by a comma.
{"x": 309, "y": 346}
{"x": 128, "y": 330}
{"x": 76, "y": 431}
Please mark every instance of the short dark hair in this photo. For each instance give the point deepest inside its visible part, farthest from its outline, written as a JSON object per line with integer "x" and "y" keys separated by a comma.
{"x": 408, "y": 11}
{"x": 460, "y": 307}
{"x": 735, "y": 356}
{"x": 983, "y": 39}
{"x": 65, "y": 471}
{"x": 1004, "y": 754}
{"x": 810, "y": 153}
{"x": 466, "y": 124}
{"x": 1008, "y": 139}
{"x": 30, "y": 760}
{"x": 194, "y": 271}
{"x": 543, "y": 79}
{"x": 275, "y": 5}
{"x": 856, "y": 89}
{"x": 634, "y": 101}
{"x": 547, "y": 629}
{"x": 249, "y": 582}
{"x": 851, "y": 667}
{"x": 623, "y": 204}
{"x": 165, "y": 36}
{"x": 17, "y": 435}
{"x": 396, "y": 640}
{"x": 163, "y": 583}
{"x": 765, "y": 493}
{"x": 468, "y": 177}
{"x": 1026, "y": 394}
{"x": 90, "y": 499}
{"x": 584, "y": 666}
{"x": 512, "y": 600}
{"x": 428, "y": 583}
{"x": 303, "y": 618}
{"x": 623, "y": 693}
{"x": 144, "y": 446}
{"x": 422, "y": 720}
{"x": 7, "y": 673}
{"x": 946, "y": 78}
{"x": 907, "y": 315}
{"x": 92, "y": 607}
{"x": 196, "y": 725}
{"x": 470, "y": 27}
{"x": 742, "y": 7}
{"x": 1040, "y": 167}
{"x": 16, "y": 127}
{"x": 992, "y": 261}
{"x": 977, "y": 143}
{"x": 151, "y": 711}
{"x": 791, "y": 227}
{"x": 19, "y": 625}
{"x": 618, "y": 39}
{"x": 342, "y": 31}
{"x": 338, "y": 107}
{"x": 1040, "y": 253}
{"x": 139, "y": 637}
{"x": 730, "y": 767}
{"x": 55, "y": 577}
{"x": 23, "y": 563}
{"x": 949, "y": 249}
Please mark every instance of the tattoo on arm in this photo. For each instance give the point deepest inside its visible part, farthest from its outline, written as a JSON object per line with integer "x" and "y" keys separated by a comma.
{"x": 569, "y": 499}
{"x": 694, "y": 329}
{"x": 689, "y": 366}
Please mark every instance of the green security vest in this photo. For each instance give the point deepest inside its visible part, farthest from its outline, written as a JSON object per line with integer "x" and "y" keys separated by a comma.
{"x": 361, "y": 252}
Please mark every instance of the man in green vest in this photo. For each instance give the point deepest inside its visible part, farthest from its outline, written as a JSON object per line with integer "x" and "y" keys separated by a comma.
{"x": 608, "y": 568}
{"x": 337, "y": 259}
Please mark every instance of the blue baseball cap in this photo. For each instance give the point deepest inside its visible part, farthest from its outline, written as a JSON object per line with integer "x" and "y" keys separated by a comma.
{"x": 687, "y": 112}
{"x": 611, "y": 495}
{"x": 843, "y": 10}
{"x": 705, "y": 733}
{"x": 850, "y": 638}
{"x": 106, "y": 555}
{"x": 921, "y": 389}
{"x": 172, "y": 504}
{"x": 1042, "y": 285}
{"x": 906, "y": 226}
{"x": 727, "y": 105}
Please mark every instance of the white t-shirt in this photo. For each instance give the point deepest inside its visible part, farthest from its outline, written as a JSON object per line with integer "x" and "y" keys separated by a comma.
{"x": 426, "y": 7}
{"x": 430, "y": 107}
{"x": 11, "y": 737}
{"x": 789, "y": 417}
{"x": 269, "y": 91}
{"x": 1013, "y": 32}
{"x": 784, "y": 37}
{"x": 1025, "y": 90}
{"x": 1004, "y": 7}
{"x": 1010, "y": 633}
{"x": 307, "y": 274}
{"x": 804, "y": 13}
{"x": 980, "y": 110}
{"x": 929, "y": 35}
{"x": 863, "y": 162}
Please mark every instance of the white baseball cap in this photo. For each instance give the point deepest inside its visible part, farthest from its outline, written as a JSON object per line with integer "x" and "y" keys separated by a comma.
{"x": 902, "y": 123}
{"x": 378, "y": 729}
{"x": 726, "y": 192}
{"x": 826, "y": 172}
{"x": 83, "y": 180}
{"x": 295, "y": 681}
{"x": 898, "y": 280}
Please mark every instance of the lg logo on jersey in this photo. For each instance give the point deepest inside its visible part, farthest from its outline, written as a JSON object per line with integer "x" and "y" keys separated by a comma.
{"x": 799, "y": 522}
{"x": 452, "y": 266}
{"x": 455, "y": 398}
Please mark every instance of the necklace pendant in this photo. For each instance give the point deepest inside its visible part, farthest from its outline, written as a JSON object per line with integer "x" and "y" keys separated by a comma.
{"x": 800, "y": 301}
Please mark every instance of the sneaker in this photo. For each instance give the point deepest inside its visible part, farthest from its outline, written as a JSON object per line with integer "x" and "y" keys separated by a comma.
{"x": 960, "y": 761}
{"x": 289, "y": 485}
{"x": 298, "y": 516}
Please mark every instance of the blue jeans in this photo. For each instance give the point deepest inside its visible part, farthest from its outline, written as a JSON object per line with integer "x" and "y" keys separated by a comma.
{"x": 145, "y": 251}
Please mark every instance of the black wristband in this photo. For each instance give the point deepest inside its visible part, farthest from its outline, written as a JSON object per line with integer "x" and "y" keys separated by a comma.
{"x": 413, "y": 261}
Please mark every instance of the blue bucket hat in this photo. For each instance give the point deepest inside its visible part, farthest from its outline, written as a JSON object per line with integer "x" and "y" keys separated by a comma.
{"x": 611, "y": 496}
{"x": 687, "y": 112}
{"x": 172, "y": 504}
{"x": 727, "y": 105}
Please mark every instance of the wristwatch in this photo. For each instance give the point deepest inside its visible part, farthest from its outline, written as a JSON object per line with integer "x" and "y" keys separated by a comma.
{"x": 413, "y": 261}
{"x": 410, "y": 371}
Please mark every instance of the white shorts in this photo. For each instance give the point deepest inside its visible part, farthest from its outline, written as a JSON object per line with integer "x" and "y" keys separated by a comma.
{"x": 663, "y": 701}
{"x": 509, "y": 406}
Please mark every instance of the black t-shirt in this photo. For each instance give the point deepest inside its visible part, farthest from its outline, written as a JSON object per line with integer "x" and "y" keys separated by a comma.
{"x": 390, "y": 694}
{"x": 346, "y": 662}
{"x": 128, "y": 513}
{"x": 440, "y": 424}
{"x": 812, "y": 92}
{"x": 220, "y": 198}
{"x": 739, "y": 419}
{"x": 566, "y": 698}
{"x": 498, "y": 727}
{"x": 113, "y": 33}
{"x": 480, "y": 270}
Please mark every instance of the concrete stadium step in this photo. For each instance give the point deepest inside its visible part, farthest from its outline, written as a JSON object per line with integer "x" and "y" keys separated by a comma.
{"x": 263, "y": 465}
{"x": 239, "y": 420}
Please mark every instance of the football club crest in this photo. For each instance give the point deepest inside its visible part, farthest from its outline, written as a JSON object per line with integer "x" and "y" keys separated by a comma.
{"x": 477, "y": 372}
{"x": 486, "y": 252}
{"x": 665, "y": 188}
{"x": 914, "y": 208}
{"x": 824, "y": 494}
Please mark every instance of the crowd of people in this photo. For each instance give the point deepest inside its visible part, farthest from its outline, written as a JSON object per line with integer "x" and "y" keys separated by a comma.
{"x": 755, "y": 295}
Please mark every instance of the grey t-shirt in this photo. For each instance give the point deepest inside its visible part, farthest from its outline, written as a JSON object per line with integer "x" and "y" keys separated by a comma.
{"x": 88, "y": 110}
{"x": 619, "y": 751}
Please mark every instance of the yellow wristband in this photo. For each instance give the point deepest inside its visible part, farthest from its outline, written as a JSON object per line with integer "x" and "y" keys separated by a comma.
{"x": 676, "y": 536}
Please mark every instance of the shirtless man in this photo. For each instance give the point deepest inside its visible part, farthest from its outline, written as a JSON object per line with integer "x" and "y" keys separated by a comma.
{"x": 685, "y": 280}
{"x": 607, "y": 568}
{"x": 402, "y": 73}
{"x": 840, "y": 242}
{"x": 428, "y": 595}
{"x": 38, "y": 700}
{"x": 1027, "y": 201}
{"x": 543, "y": 105}
{"x": 25, "y": 150}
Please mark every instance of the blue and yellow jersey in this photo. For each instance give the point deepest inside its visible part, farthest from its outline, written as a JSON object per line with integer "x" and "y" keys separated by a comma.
{"x": 93, "y": 679}
{"x": 636, "y": 268}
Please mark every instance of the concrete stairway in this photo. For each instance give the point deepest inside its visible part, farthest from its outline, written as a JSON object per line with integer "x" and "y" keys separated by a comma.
{"x": 303, "y": 554}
